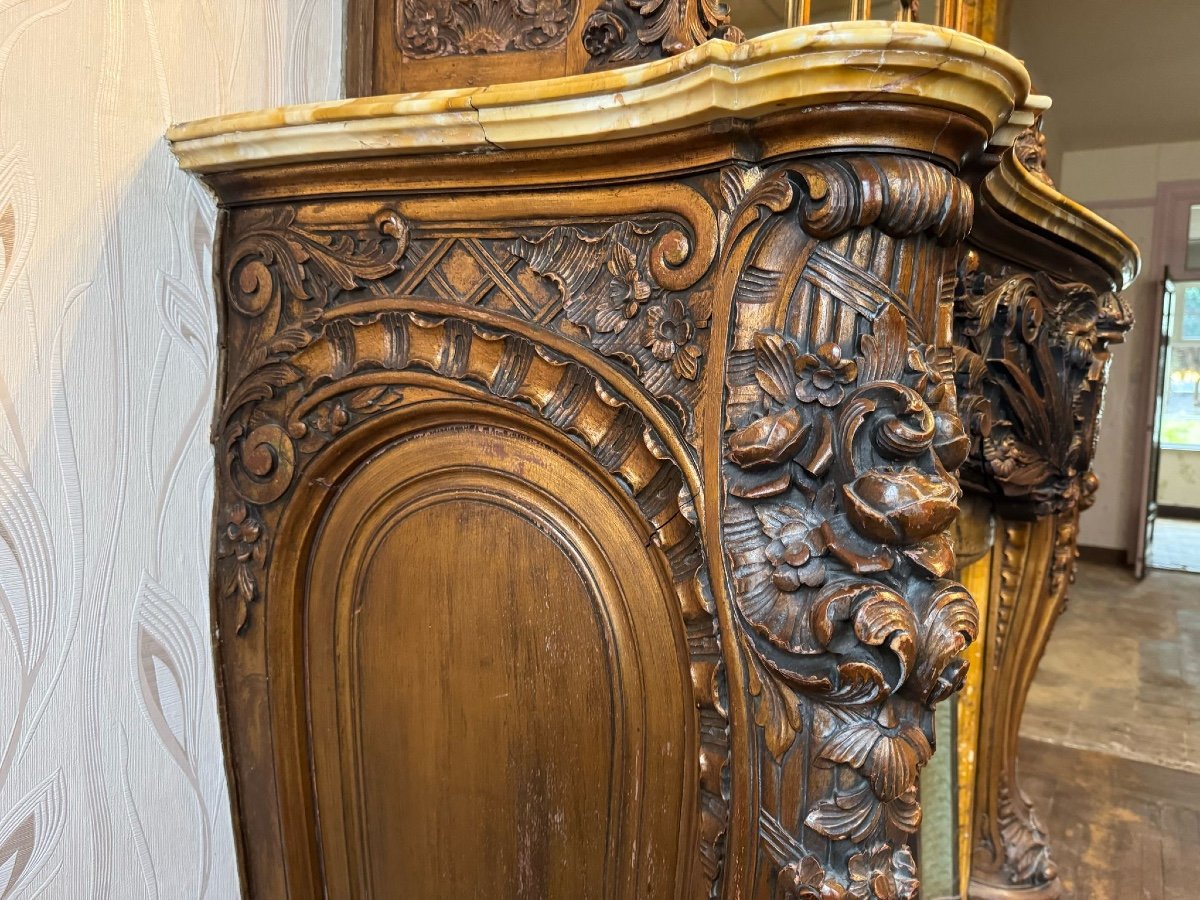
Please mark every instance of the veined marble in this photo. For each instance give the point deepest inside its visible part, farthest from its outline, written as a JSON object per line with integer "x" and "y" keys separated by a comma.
{"x": 798, "y": 68}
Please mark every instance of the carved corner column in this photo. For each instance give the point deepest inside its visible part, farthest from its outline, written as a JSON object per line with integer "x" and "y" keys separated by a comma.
{"x": 842, "y": 440}
{"x": 1032, "y": 348}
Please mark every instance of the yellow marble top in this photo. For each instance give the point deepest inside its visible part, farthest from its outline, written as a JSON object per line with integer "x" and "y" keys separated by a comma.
{"x": 794, "y": 69}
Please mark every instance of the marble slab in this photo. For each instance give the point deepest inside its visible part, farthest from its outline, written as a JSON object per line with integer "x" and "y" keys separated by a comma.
{"x": 798, "y": 68}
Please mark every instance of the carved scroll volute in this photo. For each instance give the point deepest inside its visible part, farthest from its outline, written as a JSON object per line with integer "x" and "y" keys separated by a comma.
{"x": 841, "y": 442}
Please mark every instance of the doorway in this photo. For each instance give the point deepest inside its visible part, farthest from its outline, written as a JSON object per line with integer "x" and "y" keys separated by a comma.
{"x": 1172, "y": 533}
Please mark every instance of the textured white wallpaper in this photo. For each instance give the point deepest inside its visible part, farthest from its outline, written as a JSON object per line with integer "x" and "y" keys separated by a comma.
{"x": 111, "y": 778}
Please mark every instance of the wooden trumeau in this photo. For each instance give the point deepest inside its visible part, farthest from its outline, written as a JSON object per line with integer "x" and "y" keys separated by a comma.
{"x": 583, "y": 490}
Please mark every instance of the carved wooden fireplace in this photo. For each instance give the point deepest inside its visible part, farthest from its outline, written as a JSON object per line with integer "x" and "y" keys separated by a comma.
{"x": 587, "y": 452}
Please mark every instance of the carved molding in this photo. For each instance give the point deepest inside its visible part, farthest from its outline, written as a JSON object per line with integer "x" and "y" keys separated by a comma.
{"x": 841, "y": 444}
{"x": 621, "y": 32}
{"x": 429, "y": 29}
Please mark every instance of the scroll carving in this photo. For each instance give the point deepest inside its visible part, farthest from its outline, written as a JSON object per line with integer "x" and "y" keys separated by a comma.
{"x": 438, "y": 28}
{"x": 842, "y": 444}
{"x": 621, "y": 32}
{"x": 329, "y": 355}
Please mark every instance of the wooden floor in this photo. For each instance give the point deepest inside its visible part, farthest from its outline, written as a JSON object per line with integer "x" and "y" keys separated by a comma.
{"x": 1110, "y": 749}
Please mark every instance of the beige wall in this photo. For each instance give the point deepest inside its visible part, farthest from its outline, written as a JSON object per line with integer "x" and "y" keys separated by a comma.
{"x": 1122, "y": 183}
{"x": 111, "y": 777}
{"x": 1179, "y": 478}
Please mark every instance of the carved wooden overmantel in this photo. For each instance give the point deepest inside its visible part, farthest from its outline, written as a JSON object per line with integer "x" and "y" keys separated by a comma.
{"x": 1037, "y": 311}
{"x": 586, "y": 452}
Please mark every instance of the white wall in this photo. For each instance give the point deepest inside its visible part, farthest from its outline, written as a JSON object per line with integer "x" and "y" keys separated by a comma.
{"x": 111, "y": 776}
{"x": 1122, "y": 184}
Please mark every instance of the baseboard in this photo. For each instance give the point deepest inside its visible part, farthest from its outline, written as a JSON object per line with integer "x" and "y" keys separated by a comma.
{"x": 1178, "y": 512}
{"x": 1105, "y": 556}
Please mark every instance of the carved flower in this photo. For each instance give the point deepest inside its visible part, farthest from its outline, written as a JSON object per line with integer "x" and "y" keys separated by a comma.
{"x": 669, "y": 334}
{"x": 821, "y": 376}
{"x": 768, "y": 440}
{"x": 805, "y": 880}
{"x": 628, "y": 289}
{"x": 796, "y": 546}
{"x": 882, "y": 873}
{"x": 902, "y": 506}
{"x": 889, "y": 758}
{"x": 603, "y": 34}
{"x": 241, "y": 534}
{"x": 331, "y": 417}
{"x": 423, "y": 27}
{"x": 544, "y": 12}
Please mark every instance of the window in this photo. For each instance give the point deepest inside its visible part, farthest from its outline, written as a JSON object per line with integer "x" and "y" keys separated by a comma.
{"x": 1181, "y": 390}
{"x": 1193, "y": 238}
{"x": 1189, "y": 313}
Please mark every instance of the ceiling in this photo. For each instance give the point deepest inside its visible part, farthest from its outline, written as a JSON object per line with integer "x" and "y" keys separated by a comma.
{"x": 1120, "y": 72}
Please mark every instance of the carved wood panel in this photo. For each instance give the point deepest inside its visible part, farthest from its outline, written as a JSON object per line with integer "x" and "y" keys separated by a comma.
{"x": 411, "y": 45}
{"x": 702, "y": 437}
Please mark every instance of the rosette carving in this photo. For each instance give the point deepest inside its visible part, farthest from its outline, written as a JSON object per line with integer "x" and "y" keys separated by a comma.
{"x": 842, "y": 444}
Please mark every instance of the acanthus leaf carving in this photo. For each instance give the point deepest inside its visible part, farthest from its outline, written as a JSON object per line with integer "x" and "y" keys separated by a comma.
{"x": 274, "y": 254}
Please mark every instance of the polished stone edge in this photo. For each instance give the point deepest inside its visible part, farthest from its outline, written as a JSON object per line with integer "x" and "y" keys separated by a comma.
{"x": 1012, "y": 188}
{"x": 799, "y": 68}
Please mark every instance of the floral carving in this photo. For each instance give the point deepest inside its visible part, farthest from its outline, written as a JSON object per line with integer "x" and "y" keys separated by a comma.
{"x": 240, "y": 541}
{"x": 437, "y": 28}
{"x": 612, "y": 286}
{"x": 627, "y": 31}
{"x": 671, "y": 337}
{"x": 805, "y": 880}
{"x": 843, "y": 439}
{"x": 883, "y": 873}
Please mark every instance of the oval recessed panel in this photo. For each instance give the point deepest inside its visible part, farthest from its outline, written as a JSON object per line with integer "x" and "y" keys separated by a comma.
{"x": 499, "y": 704}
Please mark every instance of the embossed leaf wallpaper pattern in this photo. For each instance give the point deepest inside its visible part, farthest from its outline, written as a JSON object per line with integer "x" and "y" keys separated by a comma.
{"x": 111, "y": 778}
